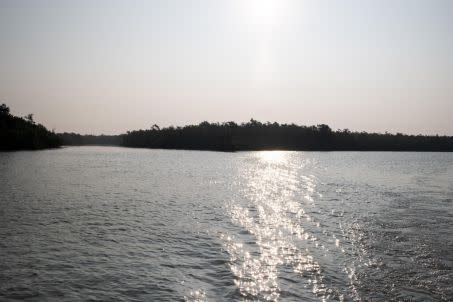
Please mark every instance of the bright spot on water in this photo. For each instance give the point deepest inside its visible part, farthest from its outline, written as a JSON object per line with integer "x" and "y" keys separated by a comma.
{"x": 273, "y": 157}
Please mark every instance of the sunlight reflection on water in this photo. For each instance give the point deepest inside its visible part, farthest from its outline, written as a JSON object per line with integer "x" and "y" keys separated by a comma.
{"x": 275, "y": 219}
{"x": 160, "y": 225}
{"x": 273, "y": 156}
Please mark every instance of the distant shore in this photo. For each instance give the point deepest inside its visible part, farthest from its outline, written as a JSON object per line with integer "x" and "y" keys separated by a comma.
{"x": 23, "y": 133}
{"x": 256, "y": 136}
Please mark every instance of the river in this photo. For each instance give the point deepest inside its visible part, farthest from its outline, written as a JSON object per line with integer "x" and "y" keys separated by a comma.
{"x": 110, "y": 223}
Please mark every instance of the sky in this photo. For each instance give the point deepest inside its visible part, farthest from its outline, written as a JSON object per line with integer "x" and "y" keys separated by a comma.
{"x": 109, "y": 66}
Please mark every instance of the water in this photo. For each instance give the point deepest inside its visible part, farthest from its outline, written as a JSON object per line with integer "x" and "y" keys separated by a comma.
{"x": 105, "y": 223}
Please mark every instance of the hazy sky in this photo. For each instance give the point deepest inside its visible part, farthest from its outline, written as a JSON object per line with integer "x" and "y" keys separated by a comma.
{"x": 111, "y": 66}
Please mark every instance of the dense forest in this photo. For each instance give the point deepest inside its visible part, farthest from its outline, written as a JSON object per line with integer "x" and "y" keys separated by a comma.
{"x": 74, "y": 139}
{"x": 23, "y": 133}
{"x": 18, "y": 133}
{"x": 255, "y": 135}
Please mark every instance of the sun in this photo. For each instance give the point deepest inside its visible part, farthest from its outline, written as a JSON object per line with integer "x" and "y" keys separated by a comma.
{"x": 264, "y": 12}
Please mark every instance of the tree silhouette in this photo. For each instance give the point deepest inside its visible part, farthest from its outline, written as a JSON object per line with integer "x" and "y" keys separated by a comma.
{"x": 18, "y": 133}
{"x": 29, "y": 117}
{"x": 255, "y": 135}
{"x": 4, "y": 110}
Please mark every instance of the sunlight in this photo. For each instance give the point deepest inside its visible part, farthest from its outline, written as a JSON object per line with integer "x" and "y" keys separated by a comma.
{"x": 264, "y": 12}
{"x": 262, "y": 21}
{"x": 273, "y": 156}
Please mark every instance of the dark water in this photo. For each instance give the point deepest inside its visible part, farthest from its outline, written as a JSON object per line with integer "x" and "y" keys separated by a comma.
{"x": 93, "y": 223}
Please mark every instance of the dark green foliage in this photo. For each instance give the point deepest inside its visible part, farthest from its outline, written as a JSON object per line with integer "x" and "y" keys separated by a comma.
{"x": 17, "y": 133}
{"x": 255, "y": 135}
{"x": 74, "y": 139}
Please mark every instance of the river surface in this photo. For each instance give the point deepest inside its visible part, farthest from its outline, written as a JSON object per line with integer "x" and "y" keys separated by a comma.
{"x": 118, "y": 224}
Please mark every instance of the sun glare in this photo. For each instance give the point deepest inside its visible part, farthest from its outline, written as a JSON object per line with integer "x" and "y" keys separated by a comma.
{"x": 273, "y": 156}
{"x": 264, "y": 12}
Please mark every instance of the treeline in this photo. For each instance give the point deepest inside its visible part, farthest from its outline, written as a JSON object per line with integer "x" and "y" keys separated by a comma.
{"x": 74, "y": 139}
{"x": 18, "y": 133}
{"x": 23, "y": 133}
{"x": 255, "y": 135}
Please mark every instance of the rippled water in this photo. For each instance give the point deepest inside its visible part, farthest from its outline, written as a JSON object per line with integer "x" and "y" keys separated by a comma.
{"x": 95, "y": 223}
